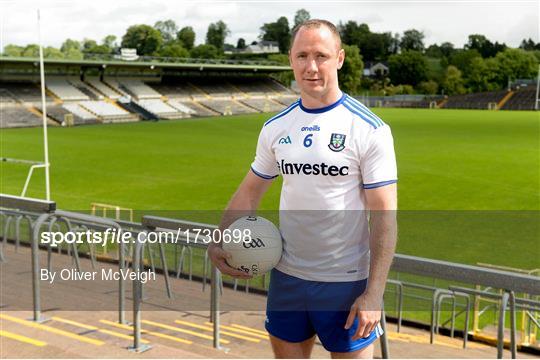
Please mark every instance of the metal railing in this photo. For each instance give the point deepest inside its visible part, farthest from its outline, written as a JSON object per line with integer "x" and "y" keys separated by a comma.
{"x": 45, "y": 214}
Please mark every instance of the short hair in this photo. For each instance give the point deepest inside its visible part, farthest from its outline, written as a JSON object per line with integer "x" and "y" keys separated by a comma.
{"x": 315, "y": 24}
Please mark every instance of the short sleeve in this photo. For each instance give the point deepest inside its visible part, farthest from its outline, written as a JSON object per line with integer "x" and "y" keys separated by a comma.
{"x": 378, "y": 163}
{"x": 264, "y": 164}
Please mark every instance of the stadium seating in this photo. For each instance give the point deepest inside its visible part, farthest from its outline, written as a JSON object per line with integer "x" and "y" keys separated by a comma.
{"x": 214, "y": 87}
{"x": 80, "y": 112}
{"x": 227, "y": 107}
{"x": 103, "y": 88}
{"x": 108, "y": 112}
{"x": 287, "y": 100}
{"x": 139, "y": 90}
{"x": 18, "y": 116}
{"x": 24, "y": 91}
{"x": 63, "y": 89}
{"x": 86, "y": 89}
{"x": 475, "y": 100}
{"x": 263, "y": 105}
{"x": 182, "y": 107}
{"x": 522, "y": 99}
{"x": 115, "y": 85}
{"x": 180, "y": 90}
{"x": 161, "y": 109}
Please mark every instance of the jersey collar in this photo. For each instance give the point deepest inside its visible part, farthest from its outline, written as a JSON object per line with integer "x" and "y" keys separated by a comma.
{"x": 323, "y": 109}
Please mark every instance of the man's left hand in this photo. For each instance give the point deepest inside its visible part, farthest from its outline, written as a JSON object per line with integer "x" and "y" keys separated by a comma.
{"x": 368, "y": 311}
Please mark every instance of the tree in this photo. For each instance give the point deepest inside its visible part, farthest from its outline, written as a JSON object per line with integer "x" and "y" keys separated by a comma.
{"x": 241, "y": 44}
{"x": 373, "y": 46}
{"x": 205, "y": 51}
{"x": 52, "y": 53}
{"x": 168, "y": 29}
{"x": 434, "y": 51}
{"x": 515, "y": 64}
{"x": 173, "y": 49}
{"x": 278, "y": 31}
{"x": 73, "y": 54}
{"x": 412, "y": 40}
{"x": 88, "y": 44}
{"x": 144, "y": 38}
{"x": 301, "y": 16}
{"x": 529, "y": 45}
{"x": 429, "y": 87}
{"x": 31, "y": 50}
{"x": 216, "y": 34}
{"x": 409, "y": 67}
{"x": 485, "y": 47}
{"x": 482, "y": 75}
{"x": 462, "y": 59}
{"x": 447, "y": 49}
{"x": 350, "y": 74}
{"x": 453, "y": 82}
{"x": 69, "y": 44}
{"x": 13, "y": 50}
{"x": 187, "y": 36}
{"x": 110, "y": 41}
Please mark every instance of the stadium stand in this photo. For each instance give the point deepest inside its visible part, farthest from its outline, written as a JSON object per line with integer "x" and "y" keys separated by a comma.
{"x": 80, "y": 112}
{"x": 287, "y": 100}
{"x": 58, "y": 113}
{"x": 103, "y": 88}
{"x": 139, "y": 90}
{"x": 215, "y": 87}
{"x": 64, "y": 90}
{"x": 25, "y": 92}
{"x": 108, "y": 112}
{"x": 115, "y": 85}
{"x": 18, "y": 116}
{"x": 161, "y": 109}
{"x": 263, "y": 105}
{"x": 84, "y": 88}
{"x": 227, "y": 107}
{"x": 200, "y": 109}
{"x": 522, "y": 99}
{"x": 180, "y": 90}
{"x": 182, "y": 107}
{"x": 475, "y": 101}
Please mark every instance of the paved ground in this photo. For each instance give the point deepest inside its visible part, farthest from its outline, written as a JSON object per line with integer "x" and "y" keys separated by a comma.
{"x": 82, "y": 321}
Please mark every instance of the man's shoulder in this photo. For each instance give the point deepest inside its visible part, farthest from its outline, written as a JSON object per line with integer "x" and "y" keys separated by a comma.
{"x": 362, "y": 113}
{"x": 282, "y": 114}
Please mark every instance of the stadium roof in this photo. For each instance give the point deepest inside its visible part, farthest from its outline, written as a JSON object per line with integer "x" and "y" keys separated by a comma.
{"x": 157, "y": 63}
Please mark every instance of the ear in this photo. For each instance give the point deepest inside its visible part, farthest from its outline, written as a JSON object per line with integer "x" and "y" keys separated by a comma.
{"x": 290, "y": 62}
{"x": 341, "y": 58}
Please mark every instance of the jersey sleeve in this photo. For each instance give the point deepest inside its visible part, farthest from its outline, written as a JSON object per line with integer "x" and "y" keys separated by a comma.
{"x": 378, "y": 163}
{"x": 264, "y": 165}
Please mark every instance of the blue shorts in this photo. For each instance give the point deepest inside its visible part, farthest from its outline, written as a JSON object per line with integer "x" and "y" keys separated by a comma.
{"x": 297, "y": 309}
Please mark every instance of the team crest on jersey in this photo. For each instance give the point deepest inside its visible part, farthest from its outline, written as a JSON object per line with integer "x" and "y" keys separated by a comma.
{"x": 337, "y": 142}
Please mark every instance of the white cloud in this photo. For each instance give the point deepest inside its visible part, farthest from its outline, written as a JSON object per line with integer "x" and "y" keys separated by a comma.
{"x": 441, "y": 21}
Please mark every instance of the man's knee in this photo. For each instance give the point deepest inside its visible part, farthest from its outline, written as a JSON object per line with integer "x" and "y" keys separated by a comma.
{"x": 292, "y": 350}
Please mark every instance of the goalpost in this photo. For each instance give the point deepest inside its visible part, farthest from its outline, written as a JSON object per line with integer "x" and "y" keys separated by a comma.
{"x": 36, "y": 164}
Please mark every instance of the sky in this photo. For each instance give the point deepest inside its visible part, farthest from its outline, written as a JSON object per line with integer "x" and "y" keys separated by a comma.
{"x": 503, "y": 21}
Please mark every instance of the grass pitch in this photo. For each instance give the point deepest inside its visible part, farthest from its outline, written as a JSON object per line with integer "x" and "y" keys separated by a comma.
{"x": 468, "y": 180}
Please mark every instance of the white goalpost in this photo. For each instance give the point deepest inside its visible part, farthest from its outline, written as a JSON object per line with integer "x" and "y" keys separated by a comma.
{"x": 34, "y": 164}
{"x": 46, "y": 163}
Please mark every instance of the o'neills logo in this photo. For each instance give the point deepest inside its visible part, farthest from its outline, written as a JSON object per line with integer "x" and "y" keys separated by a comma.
{"x": 312, "y": 169}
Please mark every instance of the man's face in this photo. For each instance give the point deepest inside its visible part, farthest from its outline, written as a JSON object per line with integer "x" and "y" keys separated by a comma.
{"x": 315, "y": 59}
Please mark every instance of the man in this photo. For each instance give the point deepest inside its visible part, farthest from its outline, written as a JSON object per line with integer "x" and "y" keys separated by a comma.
{"x": 337, "y": 161}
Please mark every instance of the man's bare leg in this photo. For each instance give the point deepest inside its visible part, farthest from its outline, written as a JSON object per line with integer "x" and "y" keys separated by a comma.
{"x": 289, "y": 350}
{"x": 365, "y": 353}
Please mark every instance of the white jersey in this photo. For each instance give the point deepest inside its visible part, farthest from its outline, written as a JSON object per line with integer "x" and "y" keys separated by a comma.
{"x": 327, "y": 157}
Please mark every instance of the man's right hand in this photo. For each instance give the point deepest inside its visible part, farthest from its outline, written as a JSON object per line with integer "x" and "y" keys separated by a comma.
{"x": 218, "y": 256}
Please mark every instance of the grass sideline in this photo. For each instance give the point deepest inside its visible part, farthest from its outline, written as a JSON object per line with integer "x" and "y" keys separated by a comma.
{"x": 480, "y": 167}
